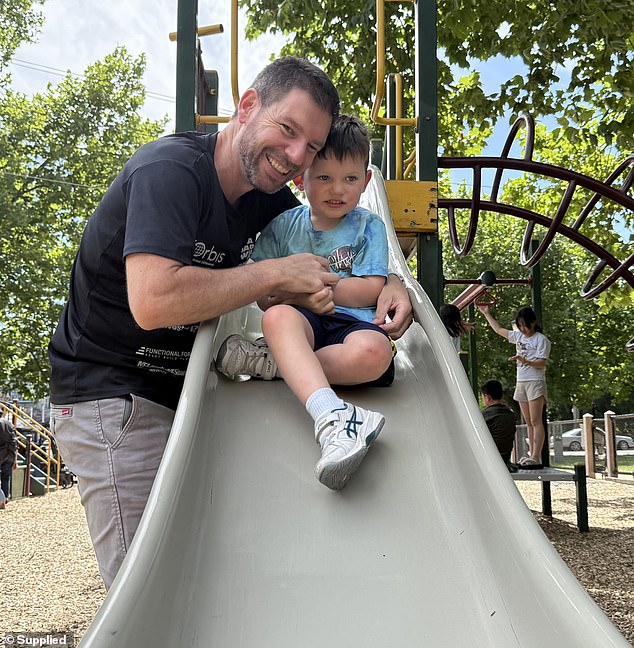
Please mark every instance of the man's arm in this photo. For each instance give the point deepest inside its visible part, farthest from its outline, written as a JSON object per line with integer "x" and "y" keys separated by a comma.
{"x": 12, "y": 440}
{"x": 14, "y": 445}
{"x": 163, "y": 292}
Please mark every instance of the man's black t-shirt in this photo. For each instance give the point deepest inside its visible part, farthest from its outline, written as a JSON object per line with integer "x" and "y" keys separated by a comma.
{"x": 166, "y": 201}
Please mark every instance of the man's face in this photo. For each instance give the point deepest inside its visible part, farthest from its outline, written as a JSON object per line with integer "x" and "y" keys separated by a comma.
{"x": 280, "y": 141}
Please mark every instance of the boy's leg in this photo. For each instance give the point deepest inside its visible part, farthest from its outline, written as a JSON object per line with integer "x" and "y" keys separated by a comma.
{"x": 290, "y": 338}
{"x": 363, "y": 356}
{"x": 114, "y": 446}
{"x": 344, "y": 431}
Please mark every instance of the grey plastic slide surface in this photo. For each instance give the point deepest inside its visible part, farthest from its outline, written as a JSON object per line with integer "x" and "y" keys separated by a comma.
{"x": 430, "y": 544}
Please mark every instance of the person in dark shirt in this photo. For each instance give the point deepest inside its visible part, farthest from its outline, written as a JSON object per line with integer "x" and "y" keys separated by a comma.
{"x": 500, "y": 418}
{"x": 8, "y": 457}
{"x": 165, "y": 249}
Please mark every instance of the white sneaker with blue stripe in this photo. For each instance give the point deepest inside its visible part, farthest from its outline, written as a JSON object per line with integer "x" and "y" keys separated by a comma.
{"x": 344, "y": 434}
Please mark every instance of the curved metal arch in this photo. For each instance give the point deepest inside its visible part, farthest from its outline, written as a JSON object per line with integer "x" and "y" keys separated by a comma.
{"x": 620, "y": 269}
{"x": 627, "y": 184}
{"x": 554, "y": 225}
{"x": 528, "y": 122}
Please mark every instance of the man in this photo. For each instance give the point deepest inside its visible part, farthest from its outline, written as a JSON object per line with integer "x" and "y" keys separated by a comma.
{"x": 165, "y": 250}
{"x": 499, "y": 418}
{"x": 8, "y": 458}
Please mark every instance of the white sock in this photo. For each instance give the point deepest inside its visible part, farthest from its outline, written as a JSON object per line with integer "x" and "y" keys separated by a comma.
{"x": 321, "y": 401}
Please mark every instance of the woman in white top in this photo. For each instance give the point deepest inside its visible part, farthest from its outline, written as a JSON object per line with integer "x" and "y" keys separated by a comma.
{"x": 532, "y": 349}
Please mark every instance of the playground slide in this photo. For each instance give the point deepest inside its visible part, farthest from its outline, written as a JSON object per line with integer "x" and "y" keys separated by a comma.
{"x": 430, "y": 544}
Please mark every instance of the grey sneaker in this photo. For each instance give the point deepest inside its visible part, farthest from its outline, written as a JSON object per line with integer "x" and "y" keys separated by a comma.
{"x": 344, "y": 435}
{"x": 238, "y": 357}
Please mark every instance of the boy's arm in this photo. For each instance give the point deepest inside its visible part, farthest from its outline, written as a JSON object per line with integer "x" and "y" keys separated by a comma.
{"x": 358, "y": 292}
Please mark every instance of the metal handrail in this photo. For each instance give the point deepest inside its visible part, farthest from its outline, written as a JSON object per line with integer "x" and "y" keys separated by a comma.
{"x": 235, "y": 91}
{"x": 379, "y": 91}
{"x": 48, "y": 458}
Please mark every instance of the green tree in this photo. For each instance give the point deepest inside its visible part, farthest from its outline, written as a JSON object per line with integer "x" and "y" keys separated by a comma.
{"x": 59, "y": 150}
{"x": 571, "y": 58}
{"x": 19, "y": 22}
{"x": 588, "y": 359}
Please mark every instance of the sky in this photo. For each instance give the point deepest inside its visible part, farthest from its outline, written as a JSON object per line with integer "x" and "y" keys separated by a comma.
{"x": 77, "y": 33}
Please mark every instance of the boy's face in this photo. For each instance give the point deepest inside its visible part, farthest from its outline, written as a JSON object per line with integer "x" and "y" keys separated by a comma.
{"x": 333, "y": 188}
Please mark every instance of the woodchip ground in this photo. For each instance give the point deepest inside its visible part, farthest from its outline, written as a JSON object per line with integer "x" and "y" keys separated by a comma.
{"x": 49, "y": 580}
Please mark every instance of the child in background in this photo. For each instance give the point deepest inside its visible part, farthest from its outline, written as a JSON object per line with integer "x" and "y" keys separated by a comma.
{"x": 455, "y": 325}
{"x": 532, "y": 349}
{"x": 311, "y": 351}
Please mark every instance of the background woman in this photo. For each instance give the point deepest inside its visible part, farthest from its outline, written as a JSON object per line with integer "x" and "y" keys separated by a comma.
{"x": 532, "y": 349}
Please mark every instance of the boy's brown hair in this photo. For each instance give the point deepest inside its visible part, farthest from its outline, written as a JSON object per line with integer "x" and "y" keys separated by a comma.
{"x": 348, "y": 137}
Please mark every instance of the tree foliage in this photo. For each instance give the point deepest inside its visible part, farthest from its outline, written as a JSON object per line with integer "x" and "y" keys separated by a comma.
{"x": 59, "y": 150}
{"x": 588, "y": 359}
{"x": 570, "y": 57}
{"x": 19, "y": 22}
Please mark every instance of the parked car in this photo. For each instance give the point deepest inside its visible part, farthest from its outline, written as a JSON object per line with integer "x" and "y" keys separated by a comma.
{"x": 573, "y": 440}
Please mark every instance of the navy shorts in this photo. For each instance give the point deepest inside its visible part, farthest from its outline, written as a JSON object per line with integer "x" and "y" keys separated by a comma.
{"x": 333, "y": 329}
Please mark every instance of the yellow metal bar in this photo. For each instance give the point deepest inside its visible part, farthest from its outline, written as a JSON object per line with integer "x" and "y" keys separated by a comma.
{"x": 211, "y": 119}
{"x": 234, "y": 53}
{"x": 398, "y": 87}
{"x": 207, "y": 30}
{"x": 218, "y": 29}
{"x": 380, "y": 73}
{"x": 409, "y": 163}
{"x": 29, "y": 422}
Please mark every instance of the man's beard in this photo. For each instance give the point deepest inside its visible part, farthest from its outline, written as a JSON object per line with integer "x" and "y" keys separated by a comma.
{"x": 250, "y": 160}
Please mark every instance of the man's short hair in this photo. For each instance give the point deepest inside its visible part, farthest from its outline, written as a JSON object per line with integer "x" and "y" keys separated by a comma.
{"x": 348, "y": 137}
{"x": 493, "y": 389}
{"x": 288, "y": 73}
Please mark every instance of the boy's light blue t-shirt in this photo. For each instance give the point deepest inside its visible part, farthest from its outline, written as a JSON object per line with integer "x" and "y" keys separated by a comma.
{"x": 355, "y": 247}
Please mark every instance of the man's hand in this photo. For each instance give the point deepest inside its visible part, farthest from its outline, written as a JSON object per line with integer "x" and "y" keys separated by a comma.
{"x": 395, "y": 303}
{"x": 305, "y": 274}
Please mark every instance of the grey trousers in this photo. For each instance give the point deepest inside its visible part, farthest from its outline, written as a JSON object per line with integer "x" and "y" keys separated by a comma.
{"x": 114, "y": 446}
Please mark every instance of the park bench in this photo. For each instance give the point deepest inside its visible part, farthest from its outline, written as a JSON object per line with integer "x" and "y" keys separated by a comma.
{"x": 547, "y": 475}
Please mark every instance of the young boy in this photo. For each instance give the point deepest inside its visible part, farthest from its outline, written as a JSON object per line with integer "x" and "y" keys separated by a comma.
{"x": 310, "y": 351}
